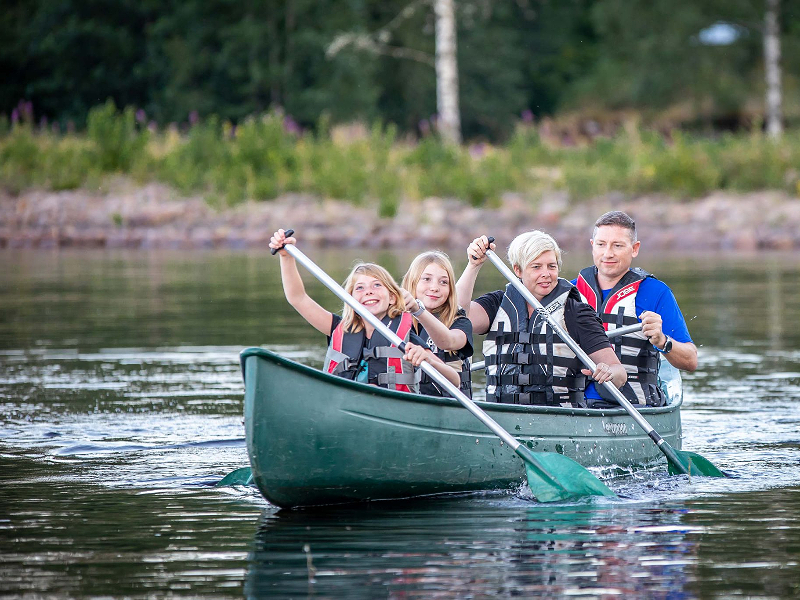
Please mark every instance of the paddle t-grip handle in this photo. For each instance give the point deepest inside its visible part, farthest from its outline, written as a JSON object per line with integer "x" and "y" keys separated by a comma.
{"x": 289, "y": 233}
{"x": 491, "y": 241}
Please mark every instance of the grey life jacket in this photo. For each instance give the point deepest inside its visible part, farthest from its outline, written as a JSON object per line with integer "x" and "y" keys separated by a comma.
{"x": 526, "y": 362}
{"x": 634, "y": 351}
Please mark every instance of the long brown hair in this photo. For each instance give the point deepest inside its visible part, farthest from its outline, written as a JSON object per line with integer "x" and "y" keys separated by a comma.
{"x": 448, "y": 311}
{"x": 351, "y": 321}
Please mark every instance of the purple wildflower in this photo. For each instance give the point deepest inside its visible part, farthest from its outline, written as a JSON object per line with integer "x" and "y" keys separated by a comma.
{"x": 477, "y": 150}
{"x": 141, "y": 117}
{"x": 14, "y": 116}
{"x": 290, "y": 126}
{"x": 424, "y": 127}
{"x": 527, "y": 116}
{"x": 193, "y": 118}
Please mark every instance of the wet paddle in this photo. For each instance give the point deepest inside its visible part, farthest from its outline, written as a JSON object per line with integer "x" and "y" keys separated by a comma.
{"x": 679, "y": 461}
{"x": 551, "y": 477}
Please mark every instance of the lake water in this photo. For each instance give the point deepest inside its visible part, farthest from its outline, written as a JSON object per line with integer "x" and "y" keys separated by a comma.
{"x": 121, "y": 403}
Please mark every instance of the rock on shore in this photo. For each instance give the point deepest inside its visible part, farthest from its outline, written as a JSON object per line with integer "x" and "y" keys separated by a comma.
{"x": 153, "y": 216}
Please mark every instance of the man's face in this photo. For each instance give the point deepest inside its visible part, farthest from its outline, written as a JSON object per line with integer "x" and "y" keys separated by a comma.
{"x": 613, "y": 251}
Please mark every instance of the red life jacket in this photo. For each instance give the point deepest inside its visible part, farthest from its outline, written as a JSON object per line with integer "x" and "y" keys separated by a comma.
{"x": 634, "y": 351}
{"x": 384, "y": 360}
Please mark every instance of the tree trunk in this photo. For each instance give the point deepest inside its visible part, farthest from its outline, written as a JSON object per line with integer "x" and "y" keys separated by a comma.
{"x": 447, "y": 71}
{"x": 772, "y": 67}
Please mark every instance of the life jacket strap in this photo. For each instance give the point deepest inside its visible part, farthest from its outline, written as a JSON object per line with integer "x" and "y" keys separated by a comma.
{"x": 540, "y": 398}
{"x": 529, "y": 358}
{"x": 391, "y": 378}
{"x": 382, "y": 352}
{"x": 647, "y": 363}
{"x": 618, "y": 319}
{"x": 632, "y": 342}
{"x": 577, "y": 382}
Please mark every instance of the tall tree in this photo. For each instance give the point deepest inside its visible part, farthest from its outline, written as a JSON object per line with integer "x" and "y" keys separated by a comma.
{"x": 447, "y": 72}
{"x": 772, "y": 68}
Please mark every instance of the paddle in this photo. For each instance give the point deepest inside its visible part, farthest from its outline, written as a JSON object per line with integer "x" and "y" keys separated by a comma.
{"x": 612, "y": 334}
{"x": 551, "y": 477}
{"x": 679, "y": 461}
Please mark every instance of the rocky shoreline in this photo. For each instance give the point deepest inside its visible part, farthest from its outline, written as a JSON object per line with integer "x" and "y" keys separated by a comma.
{"x": 154, "y": 217}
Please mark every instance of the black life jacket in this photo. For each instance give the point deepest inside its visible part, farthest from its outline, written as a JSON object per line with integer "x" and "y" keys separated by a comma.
{"x": 455, "y": 360}
{"x": 526, "y": 361}
{"x": 635, "y": 352}
{"x": 385, "y": 365}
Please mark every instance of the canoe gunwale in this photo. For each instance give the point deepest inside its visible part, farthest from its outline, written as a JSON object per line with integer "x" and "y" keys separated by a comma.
{"x": 334, "y": 380}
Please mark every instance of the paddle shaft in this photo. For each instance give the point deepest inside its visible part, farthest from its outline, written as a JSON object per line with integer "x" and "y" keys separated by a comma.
{"x": 390, "y": 335}
{"x": 584, "y": 358}
{"x": 611, "y": 334}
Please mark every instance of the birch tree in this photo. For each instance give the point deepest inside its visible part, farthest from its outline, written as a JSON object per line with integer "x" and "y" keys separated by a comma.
{"x": 772, "y": 68}
{"x": 447, "y": 71}
{"x": 444, "y": 62}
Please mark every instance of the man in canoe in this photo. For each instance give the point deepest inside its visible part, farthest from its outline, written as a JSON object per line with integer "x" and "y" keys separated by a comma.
{"x": 623, "y": 296}
{"x": 526, "y": 362}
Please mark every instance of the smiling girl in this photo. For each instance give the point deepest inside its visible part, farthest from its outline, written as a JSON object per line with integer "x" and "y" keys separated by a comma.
{"x": 355, "y": 350}
{"x": 429, "y": 287}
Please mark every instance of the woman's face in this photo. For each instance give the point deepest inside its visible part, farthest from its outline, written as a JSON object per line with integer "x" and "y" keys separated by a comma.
{"x": 540, "y": 275}
{"x": 375, "y": 296}
{"x": 433, "y": 287}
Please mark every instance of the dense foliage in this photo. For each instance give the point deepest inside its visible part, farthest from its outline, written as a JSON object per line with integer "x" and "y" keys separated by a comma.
{"x": 265, "y": 156}
{"x": 180, "y": 60}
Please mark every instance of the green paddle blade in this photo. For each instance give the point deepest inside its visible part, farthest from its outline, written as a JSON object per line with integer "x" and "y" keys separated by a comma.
{"x": 553, "y": 477}
{"x": 241, "y": 476}
{"x": 693, "y": 464}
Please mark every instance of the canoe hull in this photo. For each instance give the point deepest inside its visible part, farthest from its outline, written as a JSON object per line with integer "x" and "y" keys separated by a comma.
{"x": 317, "y": 439}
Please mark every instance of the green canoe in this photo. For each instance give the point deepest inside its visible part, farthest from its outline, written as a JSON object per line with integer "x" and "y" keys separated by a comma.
{"x": 313, "y": 438}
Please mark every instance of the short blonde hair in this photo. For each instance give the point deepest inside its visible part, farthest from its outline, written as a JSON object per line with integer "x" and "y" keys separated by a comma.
{"x": 448, "y": 311}
{"x": 528, "y": 246}
{"x": 351, "y": 321}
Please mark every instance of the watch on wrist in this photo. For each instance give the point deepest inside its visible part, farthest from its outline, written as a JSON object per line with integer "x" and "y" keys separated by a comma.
{"x": 667, "y": 346}
{"x": 420, "y": 310}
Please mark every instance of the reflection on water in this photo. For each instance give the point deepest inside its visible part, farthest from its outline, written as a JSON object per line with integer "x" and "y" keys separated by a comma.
{"x": 489, "y": 547}
{"x": 121, "y": 401}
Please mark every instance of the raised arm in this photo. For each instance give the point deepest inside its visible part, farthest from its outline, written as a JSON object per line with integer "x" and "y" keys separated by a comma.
{"x": 293, "y": 287}
{"x": 444, "y": 337}
{"x": 465, "y": 287}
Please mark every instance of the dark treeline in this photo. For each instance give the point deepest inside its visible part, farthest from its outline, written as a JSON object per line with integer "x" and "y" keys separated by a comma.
{"x": 174, "y": 58}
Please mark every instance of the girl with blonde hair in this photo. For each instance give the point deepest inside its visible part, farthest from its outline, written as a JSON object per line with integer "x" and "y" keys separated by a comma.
{"x": 355, "y": 350}
{"x": 429, "y": 286}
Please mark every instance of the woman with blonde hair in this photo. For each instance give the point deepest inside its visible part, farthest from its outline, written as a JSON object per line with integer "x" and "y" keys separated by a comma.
{"x": 355, "y": 350}
{"x": 429, "y": 284}
{"x": 525, "y": 360}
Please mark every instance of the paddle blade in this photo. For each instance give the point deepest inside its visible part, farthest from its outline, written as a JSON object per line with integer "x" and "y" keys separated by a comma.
{"x": 554, "y": 477}
{"x": 241, "y": 476}
{"x": 693, "y": 464}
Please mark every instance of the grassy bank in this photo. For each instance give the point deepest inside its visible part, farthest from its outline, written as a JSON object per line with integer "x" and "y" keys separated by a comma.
{"x": 267, "y": 156}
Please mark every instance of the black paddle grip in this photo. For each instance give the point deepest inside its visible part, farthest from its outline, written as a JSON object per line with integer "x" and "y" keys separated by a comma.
{"x": 491, "y": 241}
{"x": 289, "y": 233}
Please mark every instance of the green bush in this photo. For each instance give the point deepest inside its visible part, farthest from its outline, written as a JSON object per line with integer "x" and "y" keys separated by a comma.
{"x": 118, "y": 142}
{"x": 265, "y": 156}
